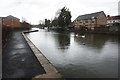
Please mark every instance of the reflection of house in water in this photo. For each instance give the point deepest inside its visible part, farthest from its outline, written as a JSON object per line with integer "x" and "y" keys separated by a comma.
{"x": 63, "y": 41}
{"x": 96, "y": 40}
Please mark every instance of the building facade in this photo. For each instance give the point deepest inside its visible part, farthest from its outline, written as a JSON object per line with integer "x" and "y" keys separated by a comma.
{"x": 90, "y": 21}
{"x": 113, "y": 22}
{"x": 10, "y": 21}
{"x": 113, "y": 19}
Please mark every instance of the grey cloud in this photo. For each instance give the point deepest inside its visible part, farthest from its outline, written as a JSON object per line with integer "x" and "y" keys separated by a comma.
{"x": 35, "y": 10}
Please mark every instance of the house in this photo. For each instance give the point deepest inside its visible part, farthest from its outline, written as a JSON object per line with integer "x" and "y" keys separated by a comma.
{"x": 90, "y": 21}
{"x": 10, "y": 21}
{"x": 112, "y": 19}
{"x": 113, "y": 22}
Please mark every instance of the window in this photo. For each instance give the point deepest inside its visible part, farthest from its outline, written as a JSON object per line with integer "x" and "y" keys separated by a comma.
{"x": 80, "y": 22}
{"x": 86, "y": 21}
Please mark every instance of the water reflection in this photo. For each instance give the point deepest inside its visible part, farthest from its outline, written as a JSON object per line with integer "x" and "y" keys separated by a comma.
{"x": 93, "y": 56}
{"x": 63, "y": 40}
{"x": 97, "y": 41}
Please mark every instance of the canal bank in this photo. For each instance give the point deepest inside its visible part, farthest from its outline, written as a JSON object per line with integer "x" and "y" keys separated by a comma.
{"x": 51, "y": 71}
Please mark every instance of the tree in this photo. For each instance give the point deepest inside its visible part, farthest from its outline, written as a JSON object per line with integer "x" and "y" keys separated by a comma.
{"x": 25, "y": 25}
{"x": 64, "y": 18}
{"x": 47, "y": 23}
{"x": 54, "y": 22}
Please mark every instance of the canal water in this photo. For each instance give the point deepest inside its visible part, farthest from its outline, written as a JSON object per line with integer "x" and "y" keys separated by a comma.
{"x": 79, "y": 56}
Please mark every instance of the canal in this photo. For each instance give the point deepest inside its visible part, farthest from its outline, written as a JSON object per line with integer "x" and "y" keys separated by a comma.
{"x": 88, "y": 56}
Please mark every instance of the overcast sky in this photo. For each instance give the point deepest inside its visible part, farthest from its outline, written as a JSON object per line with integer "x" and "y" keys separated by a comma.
{"x": 35, "y": 11}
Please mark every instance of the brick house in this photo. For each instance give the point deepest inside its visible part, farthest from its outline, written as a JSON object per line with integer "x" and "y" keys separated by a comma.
{"x": 90, "y": 21}
{"x": 10, "y": 21}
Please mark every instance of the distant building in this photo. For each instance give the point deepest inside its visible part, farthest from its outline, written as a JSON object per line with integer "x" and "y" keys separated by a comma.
{"x": 10, "y": 21}
{"x": 113, "y": 22}
{"x": 112, "y": 19}
{"x": 119, "y": 8}
{"x": 90, "y": 21}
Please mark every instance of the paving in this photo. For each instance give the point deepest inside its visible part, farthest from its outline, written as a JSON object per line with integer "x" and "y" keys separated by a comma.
{"x": 18, "y": 60}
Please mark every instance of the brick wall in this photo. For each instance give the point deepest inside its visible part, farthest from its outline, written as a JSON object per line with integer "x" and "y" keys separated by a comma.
{"x": 11, "y": 22}
{"x": 102, "y": 20}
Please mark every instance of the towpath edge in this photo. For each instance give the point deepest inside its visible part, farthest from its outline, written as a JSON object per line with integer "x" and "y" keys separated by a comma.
{"x": 51, "y": 71}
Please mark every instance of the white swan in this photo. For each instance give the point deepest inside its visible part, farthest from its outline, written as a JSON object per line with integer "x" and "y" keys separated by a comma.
{"x": 76, "y": 35}
{"x": 83, "y": 36}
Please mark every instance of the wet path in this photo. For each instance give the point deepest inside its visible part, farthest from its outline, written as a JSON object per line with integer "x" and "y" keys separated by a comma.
{"x": 18, "y": 60}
